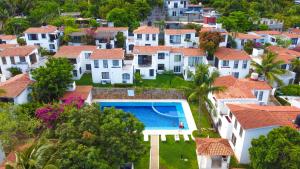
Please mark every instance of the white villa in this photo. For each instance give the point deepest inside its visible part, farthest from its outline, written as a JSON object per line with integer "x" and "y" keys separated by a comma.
{"x": 16, "y": 89}
{"x": 176, "y": 8}
{"x": 22, "y": 57}
{"x": 105, "y": 37}
{"x": 8, "y": 39}
{"x": 150, "y": 60}
{"x": 242, "y": 38}
{"x": 181, "y": 38}
{"x": 45, "y": 36}
{"x": 232, "y": 62}
{"x": 146, "y": 36}
{"x": 267, "y": 36}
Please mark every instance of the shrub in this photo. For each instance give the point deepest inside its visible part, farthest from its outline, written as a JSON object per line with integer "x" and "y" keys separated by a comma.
{"x": 122, "y": 85}
{"x": 14, "y": 71}
{"x": 290, "y": 90}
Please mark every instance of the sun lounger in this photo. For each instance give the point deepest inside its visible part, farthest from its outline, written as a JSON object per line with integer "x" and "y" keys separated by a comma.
{"x": 177, "y": 137}
{"x": 186, "y": 137}
{"x": 163, "y": 137}
{"x": 146, "y": 137}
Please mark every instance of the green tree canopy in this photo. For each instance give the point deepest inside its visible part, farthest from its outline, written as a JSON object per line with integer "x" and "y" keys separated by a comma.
{"x": 52, "y": 80}
{"x": 15, "y": 26}
{"x": 280, "y": 149}
{"x": 122, "y": 17}
{"x": 236, "y": 22}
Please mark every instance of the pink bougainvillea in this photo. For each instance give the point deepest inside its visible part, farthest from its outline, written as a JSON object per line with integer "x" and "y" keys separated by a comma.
{"x": 50, "y": 113}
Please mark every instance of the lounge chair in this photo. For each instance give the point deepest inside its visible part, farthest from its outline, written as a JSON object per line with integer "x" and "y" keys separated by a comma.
{"x": 146, "y": 137}
{"x": 163, "y": 137}
{"x": 177, "y": 137}
{"x": 186, "y": 137}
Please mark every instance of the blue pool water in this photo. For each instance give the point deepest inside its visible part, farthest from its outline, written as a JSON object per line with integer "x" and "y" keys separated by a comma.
{"x": 154, "y": 115}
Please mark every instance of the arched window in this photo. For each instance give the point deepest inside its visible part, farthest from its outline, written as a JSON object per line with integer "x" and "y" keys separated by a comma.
{"x": 126, "y": 76}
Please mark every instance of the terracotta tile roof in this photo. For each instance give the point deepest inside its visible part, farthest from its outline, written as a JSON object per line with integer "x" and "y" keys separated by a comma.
{"x": 42, "y": 29}
{"x": 179, "y": 31}
{"x": 246, "y": 36}
{"x": 150, "y": 50}
{"x": 17, "y": 51}
{"x": 111, "y": 29}
{"x": 116, "y": 53}
{"x": 267, "y": 32}
{"x": 239, "y": 88}
{"x": 284, "y": 54}
{"x": 213, "y": 147}
{"x": 80, "y": 91}
{"x": 4, "y": 46}
{"x": 211, "y": 29}
{"x": 8, "y": 37}
{"x": 14, "y": 86}
{"x": 231, "y": 54}
{"x": 146, "y": 30}
{"x": 73, "y": 51}
{"x": 294, "y": 30}
{"x": 291, "y": 35}
{"x": 255, "y": 116}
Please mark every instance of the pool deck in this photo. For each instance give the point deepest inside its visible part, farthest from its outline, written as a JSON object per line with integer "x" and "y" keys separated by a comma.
{"x": 186, "y": 109}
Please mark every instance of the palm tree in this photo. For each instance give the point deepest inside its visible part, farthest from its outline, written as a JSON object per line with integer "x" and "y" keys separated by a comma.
{"x": 296, "y": 68}
{"x": 37, "y": 156}
{"x": 270, "y": 68}
{"x": 202, "y": 86}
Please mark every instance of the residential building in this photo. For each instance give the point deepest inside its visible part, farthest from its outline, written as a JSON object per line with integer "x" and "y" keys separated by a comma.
{"x": 241, "y": 39}
{"x": 244, "y": 122}
{"x": 232, "y": 62}
{"x": 219, "y": 29}
{"x": 150, "y": 60}
{"x": 16, "y": 89}
{"x": 80, "y": 37}
{"x": 106, "y": 37}
{"x": 213, "y": 153}
{"x": 109, "y": 66}
{"x": 181, "y": 38}
{"x": 79, "y": 57}
{"x": 273, "y": 24}
{"x": 294, "y": 38}
{"x": 8, "y": 39}
{"x": 146, "y": 36}
{"x": 267, "y": 36}
{"x": 193, "y": 13}
{"x": 22, "y": 57}
{"x": 82, "y": 92}
{"x": 45, "y": 36}
{"x": 176, "y": 8}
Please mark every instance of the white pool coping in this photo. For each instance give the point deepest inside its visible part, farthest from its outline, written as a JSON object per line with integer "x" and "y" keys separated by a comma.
{"x": 186, "y": 110}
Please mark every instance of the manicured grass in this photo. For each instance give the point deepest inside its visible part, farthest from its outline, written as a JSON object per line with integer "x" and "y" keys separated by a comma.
{"x": 143, "y": 163}
{"x": 172, "y": 154}
{"x": 165, "y": 81}
{"x": 86, "y": 79}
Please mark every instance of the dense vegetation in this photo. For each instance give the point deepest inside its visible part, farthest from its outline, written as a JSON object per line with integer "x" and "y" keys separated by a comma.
{"x": 290, "y": 90}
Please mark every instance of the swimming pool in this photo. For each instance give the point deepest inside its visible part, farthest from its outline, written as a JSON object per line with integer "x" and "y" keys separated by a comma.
{"x": 154, "y": 115}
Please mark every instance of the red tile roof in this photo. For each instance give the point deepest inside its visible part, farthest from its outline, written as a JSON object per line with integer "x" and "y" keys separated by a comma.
{"x": 80, "y": 91}
{"x": 116, "y": 53}
{"x": 73, "y": 51}
{"x": 8, "y": 37}
{"x": 18, "y": 51}
{"x": 213, "y": 147}
{"x": 4, "y": 46}
{"x": 267, "y": 32}
{"x": 291, "y": 35}
{"x": 146, "y": 30}
{"x": 150, "y": 50}
{"x": 111, "y": 29}
{"x": 252, "y": 116}
{"x": 239, "y": 88}
{"x": 179, "y": 31}
{"x": 246, "y": 36}
{"x": 14, "y": 86}
{"x": 231, "y": 54}
{"x": 284, "y": 54}
{"x": 294, "y": 30}
{"x": 211, "y": 29}
{"x": 42, "y": 29}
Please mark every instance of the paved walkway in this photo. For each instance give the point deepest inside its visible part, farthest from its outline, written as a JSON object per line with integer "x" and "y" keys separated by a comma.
{"x": 154, "y": 152}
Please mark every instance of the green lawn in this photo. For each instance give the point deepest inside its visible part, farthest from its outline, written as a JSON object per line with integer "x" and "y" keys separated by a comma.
{"x": 143, "y": 163}
{"x": 86, "y": 79}
{"x": 172, "y": 154}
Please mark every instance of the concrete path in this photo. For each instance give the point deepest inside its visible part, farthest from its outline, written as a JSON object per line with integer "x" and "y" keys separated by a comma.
{"x": 154, "y": 152}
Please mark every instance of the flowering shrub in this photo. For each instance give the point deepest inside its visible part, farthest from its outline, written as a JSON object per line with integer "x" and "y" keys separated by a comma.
{"x": 50, "y": 113}
{"x": 258, "y": 45}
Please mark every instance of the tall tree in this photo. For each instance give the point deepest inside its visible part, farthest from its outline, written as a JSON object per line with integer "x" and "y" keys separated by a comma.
{"x": 270, "y": 68}
{"x": 15, "y": 26}
{"x": 52, "y": 80}
{"x": 236, "y": 22}
{"x": 209, "y": 41}
{"x": 280, "y": 149}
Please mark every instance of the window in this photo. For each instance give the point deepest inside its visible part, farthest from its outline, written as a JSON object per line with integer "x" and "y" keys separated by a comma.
{"x": 96, "y": 63}
{"x": 294, "y": 41}
{"x": 175, "y": 39}
{"x": 32, "y": 36}
{"x": 245, "y": 62}
{"x": 177, "y": 58}
{"x": 12, "y": 60}
{"x": 126, "y": 76}
{"x": 219, "y": 123}
{"x": 177, "y": 69}
{"x": 73, "y": 61}
{"x": 225, "y": 63}
{"x": 235, "y": 123}
{"x": 230, "y": 115}
{"x": 175, "y": 5}
{"x": 115, "y": 63}
{"x": 241, "y": 131}
{"x": 235, "y": 74}
{"x": 80, "y": 71}
{"x": 51, "y": 46}
{"x": 260, "y": 97}
{"x": 105, "y": 64}
{"x": 44, "y": 36}
{"x": 153, "y": 37}
{"x": 4, "y": 60}
{"x": 22, "y": 59}
{"x": 283, "y": 66}
{"x": 188, "y": 37}
{"x": 139, "y": 36}
{"x": 147, "y": 37}
{"x": 131, "y": 47}
{"x": 144, "y": 60}
{"x": 88, "y": 67}
{"x": 256, "y": 93}
{"x": 160, "y": 67}
{"x": 75, "y": 73}
{"x": 161, "y": 55}
{"x": 87, "y": 55}
{"x": 151, "y": 72}
{"x": 194, "y": 61}
{"x": 236, "y": 64}
{"x": 105, "y": 75}
{"x": 233, "y": 139}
